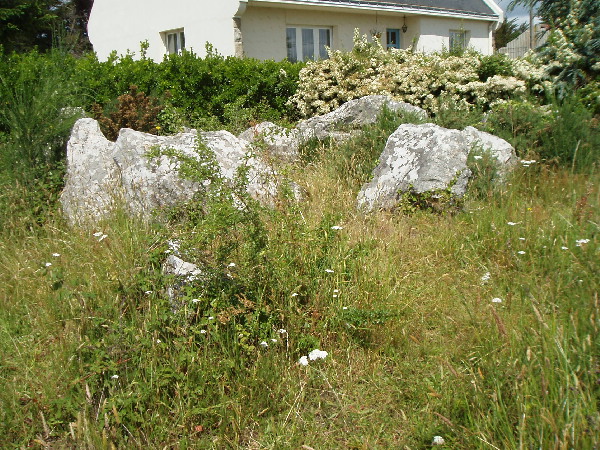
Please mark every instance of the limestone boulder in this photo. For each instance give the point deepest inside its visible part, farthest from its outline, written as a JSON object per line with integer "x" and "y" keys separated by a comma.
{"x": 428, "y": 158}
{"x": 353, "y": 115}
{"x": 92, "y": 176}
{"x": 102, "y": 174}
{"x": 276, "y": 142}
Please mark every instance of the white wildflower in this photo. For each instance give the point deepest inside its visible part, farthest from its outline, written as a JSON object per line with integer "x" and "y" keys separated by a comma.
{"x": 337, "y": 228}
{"x": 202, "y": 331}
{"x": 56, "y": 255}
{"x": 521, "y": 252}
{"x": 486, "y": 277}
{"x": 580, "y": 242}
{"x": 282, "y": 331}
{"x": 158, "y": 341}
{"x": 273, "y": 340}
{"x": 317, "y": 354}
{"x": 496, "y": 300}
{"x": 115, "y": 377}
{"x": 211, "y": 318}
{"x": 512, "y": 224}
{"x": 98, "y": 233}
{"x": 231, "y": 265}
{"x": 195, "y": 300}
{"x": 295, "y": 294}
{"x": 329, "y": 270}
{"x": 148, "y": 292}
{"x": 264, "y": 344}
{"x": 477, "y": 157}
{"x": 564, "y": 248}
{"x": 48, "y": 264}
{"x": 438, "y": 440}
{"x": 345, "y": 308}
{"x": 104, "y": 236}
{"x": 303, "y": 361}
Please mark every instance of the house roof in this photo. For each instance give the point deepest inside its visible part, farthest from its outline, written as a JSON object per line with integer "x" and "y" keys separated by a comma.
{"x": 463, "y": 7}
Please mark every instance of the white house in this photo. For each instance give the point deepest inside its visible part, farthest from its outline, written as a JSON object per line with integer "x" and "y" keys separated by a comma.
{"x": 293, "y": 29}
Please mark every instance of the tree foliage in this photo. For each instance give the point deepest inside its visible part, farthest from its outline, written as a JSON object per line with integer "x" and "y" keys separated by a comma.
{"x": 571, "y": 55}
{"x": 508, "y": 31}
{"x": 28, "y": 24}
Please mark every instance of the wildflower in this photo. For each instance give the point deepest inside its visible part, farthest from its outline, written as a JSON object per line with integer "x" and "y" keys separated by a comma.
{"x": 98, "y": 233}
{"x": 158, "y": 341}
{"x": 202, "y": 331}
{"x": 512, "y": 224}
{"x": 345, "y": 308}
{"x": 148, "y": 292}
{"x": 317, "y": 354}
{"x": 273, "y": 340}
{"x": 328, "y": 270}
{"x": 337, "y": 228}
{"x": 48, "y": 264}
{"x": 295, "y": 294}
{"x": 580, "y": 242}
{"x": 521, "y": 252}
{"x": 486, "y": 277}
{"x": 496, "y": 300}
{"x": 335, "y": 296}
{"x": 477, "y": 157}
{"x": 158, "y": 127}
{"x": 282, "y": 331}
{"x": 336, "y": 291}
{"x": 438, "y": 440}
{"x": 521, "y": 238}
{"x": 564, "y": 248}
{"x": 56, "y": 255}
{"x": 115, "y": 377}
{"x": 303, "y": 361}
{"x": 211, "y": 318}
{"x": 264, "y": 344}
{"x": 195, "y": 300}
{"x": 231, "y": 265}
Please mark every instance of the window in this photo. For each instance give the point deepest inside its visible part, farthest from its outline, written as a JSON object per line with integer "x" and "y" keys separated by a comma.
{"x": 174, "y": 41}
{"x": 459, "y": 39}
{"x": 304, "y": 43}
{"x": 393, "y": 38}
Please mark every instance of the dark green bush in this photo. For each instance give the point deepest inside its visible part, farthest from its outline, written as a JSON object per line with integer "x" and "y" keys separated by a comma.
{"x": 496, "y": 64}
{"x": 212, "y": 92}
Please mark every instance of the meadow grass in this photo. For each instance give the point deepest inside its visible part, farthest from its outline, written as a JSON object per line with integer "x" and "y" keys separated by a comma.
{"x": 94, "y": 354}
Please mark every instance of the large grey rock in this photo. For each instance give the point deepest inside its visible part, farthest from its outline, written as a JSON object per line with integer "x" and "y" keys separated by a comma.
{"x": 102, "y": 174}
{"x": 276, "y": 142}
{"x": 425, "y": 158}
{"x": 92, "y": 177}
{"x": 353, "y": 115}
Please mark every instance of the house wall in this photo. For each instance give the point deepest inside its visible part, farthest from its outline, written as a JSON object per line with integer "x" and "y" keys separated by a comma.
{"x": 434, "y": 34}
{"x": 122, "y": 24}
{"x": 263, "y": 28}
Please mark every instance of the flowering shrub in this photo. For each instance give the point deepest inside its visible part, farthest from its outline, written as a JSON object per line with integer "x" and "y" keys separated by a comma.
{"x": 416, "y": 78}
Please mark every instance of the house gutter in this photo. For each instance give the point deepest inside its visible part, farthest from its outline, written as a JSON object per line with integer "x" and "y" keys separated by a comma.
{"x": 357, "y": 6}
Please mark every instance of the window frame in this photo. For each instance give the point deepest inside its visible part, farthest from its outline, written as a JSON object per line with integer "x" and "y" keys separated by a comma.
{"x": 298, "y": 47}
{"x": 458, "y": 35}
{"x": 179, "y": 41}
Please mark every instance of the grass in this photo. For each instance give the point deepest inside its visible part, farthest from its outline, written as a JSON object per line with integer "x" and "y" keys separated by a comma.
{"x": 94, "y": 356}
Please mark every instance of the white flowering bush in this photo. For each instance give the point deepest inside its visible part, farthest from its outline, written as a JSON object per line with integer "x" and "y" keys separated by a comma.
{"x": 420, "y": 79}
